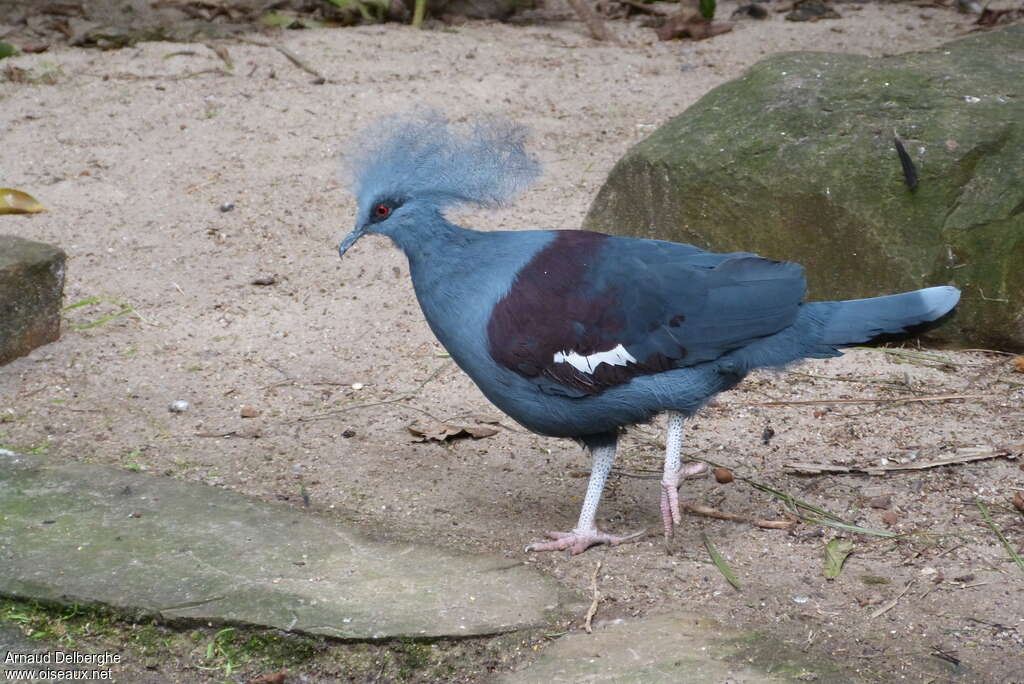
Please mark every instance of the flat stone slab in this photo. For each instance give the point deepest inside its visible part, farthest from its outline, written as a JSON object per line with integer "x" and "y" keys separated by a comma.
{"x": 677, "y": 649}
{"x": 154, "y": 546}
{"x": 31, "y": 295}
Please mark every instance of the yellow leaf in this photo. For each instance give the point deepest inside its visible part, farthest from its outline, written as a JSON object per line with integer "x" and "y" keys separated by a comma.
{"x": 17, "y": 202}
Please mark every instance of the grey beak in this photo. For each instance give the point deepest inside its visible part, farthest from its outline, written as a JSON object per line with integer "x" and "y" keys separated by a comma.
{"x": 349, "y": 240}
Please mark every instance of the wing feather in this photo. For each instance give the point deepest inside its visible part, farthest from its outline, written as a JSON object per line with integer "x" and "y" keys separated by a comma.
{"x": 664, "y": 305}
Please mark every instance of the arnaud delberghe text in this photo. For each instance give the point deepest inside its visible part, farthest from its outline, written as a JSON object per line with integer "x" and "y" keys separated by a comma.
{"x": 62, "y": 658}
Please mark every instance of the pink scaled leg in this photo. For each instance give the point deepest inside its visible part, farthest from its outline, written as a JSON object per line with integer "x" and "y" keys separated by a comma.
{"x": 674, "y": 474}
{"x": 586, "y": 533}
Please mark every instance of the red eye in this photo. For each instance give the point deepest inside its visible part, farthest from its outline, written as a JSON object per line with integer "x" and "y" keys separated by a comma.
{"x": 382, "y": 210}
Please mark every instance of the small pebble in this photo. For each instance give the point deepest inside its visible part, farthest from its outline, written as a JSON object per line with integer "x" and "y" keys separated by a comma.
{"x": 348, "y": 433}
{"x": 357, "y": 385}
{"x": 723, "y": 475}
{"x": 179, "y": 406}
{"x": 249, "y": 412}
{"x": 264, "y": 280}
{"x": 227, "y": 206}
{"x": 800, "y": 598}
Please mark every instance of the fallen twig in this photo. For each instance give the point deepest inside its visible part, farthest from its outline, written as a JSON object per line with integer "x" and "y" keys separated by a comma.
{"x": 964, "y": 455}
{"x": 708, "y": 512}
{"x": 889, "y": 605}
{"x": 241, "y": 434}
{"x": 127, "y": 76}
{"x": 897, "y": 384}
{"x": 291, "y": 56}
{"x": 913, "y": 356}
{"x": 344, "y": 409}
{"x": 222, "y": 53}
{"x": 886, "y": 400}
{"x": 592, "y": 610}
{"x": 943, "y": 655}
{"x": 990, "y": 351}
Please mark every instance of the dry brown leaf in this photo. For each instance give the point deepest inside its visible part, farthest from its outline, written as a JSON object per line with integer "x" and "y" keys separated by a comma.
{"x": 273, "y": 678}
{"x": 689, "y": 24}
{"x": 1018, "y": 364}
{"x": 442, "y": 432}
{"x": 869, "y": 600}
{"x": 1018, "y": 501}
{"x": 17, "y": 202}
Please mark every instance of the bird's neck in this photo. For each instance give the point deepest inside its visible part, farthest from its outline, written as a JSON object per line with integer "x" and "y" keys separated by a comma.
{"x": 434, "y": 241}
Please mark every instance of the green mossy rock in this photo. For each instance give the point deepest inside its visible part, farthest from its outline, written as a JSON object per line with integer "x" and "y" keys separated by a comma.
{"x": 147, "y": 546}
{"x": 795, "y": 160}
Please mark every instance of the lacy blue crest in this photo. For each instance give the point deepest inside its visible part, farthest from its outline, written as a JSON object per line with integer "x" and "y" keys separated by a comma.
{"x": 424, "y": 156}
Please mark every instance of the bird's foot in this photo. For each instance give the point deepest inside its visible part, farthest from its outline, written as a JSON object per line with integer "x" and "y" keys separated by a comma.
{"x": 576, "y": 542}
{"x": 670, "y": 516}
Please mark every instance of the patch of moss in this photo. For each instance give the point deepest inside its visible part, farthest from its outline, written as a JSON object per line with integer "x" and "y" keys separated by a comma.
{"x": 240, "y": 653}
{"x": 61, "y": 624}
{"x": 772, "y": 657}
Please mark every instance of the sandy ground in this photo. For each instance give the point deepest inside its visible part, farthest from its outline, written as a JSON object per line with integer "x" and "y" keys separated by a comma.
{"x": 135, "y": 152}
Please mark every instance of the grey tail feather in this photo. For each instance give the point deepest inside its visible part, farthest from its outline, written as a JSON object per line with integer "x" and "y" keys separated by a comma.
{"x": 823, "y": 327}
{"x": 860, "y": 321}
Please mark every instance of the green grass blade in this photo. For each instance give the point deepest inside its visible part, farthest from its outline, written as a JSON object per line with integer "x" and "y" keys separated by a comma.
{"x": 826, "y": 517}
{"x": 101, "y": 320}
{"x": 83, "y": 302}
{"x": 720, "y": 563}
{"x": 999, "y": 534}
{"x": 851, "y": 528}
{"x": 796, "y": 503}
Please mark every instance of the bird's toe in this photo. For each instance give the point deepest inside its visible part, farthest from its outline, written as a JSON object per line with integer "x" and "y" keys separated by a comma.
{"x": 576, "y": 542}
{"x": 669, "y": 511}
{"x": 695, "y": 468}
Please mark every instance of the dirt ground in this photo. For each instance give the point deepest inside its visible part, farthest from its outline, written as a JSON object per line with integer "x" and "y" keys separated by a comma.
{"x": 175, "y": 185}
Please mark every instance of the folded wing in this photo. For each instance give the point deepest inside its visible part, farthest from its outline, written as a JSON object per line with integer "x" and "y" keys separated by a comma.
{"x": 591, "y": 311}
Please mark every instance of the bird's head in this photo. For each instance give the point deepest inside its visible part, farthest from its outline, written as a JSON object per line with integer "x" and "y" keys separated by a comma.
{"x": 410, "y": 167}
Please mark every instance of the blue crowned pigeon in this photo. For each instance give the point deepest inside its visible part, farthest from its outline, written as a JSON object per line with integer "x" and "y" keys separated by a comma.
{"x": 577, "y": 334}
